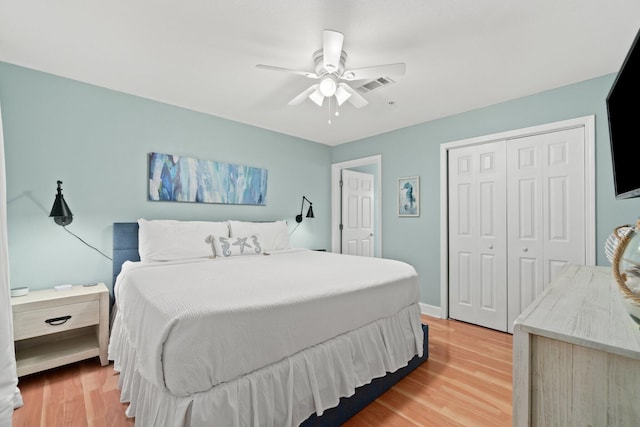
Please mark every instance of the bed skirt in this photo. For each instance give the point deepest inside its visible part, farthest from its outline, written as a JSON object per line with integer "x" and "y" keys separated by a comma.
{"x": 282, "y": 394}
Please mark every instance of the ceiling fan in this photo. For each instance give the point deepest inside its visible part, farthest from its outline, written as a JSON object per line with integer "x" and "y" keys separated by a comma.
{"x": 331, "y": 73}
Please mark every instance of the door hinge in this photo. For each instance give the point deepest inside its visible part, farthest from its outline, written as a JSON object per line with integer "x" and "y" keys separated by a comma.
{"x": 341, "y": 227}
{"x": 341, "y": 183}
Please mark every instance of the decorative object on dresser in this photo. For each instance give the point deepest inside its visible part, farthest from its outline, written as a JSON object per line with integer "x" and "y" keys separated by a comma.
{"x": 614, "y": 238}
{"x": 309, "y": 212}
{"x": 53, "y": 328}
{"x": 409, "y": 196}
{"x": 626, "y": 270}
{"x": 187, "y": 179}
{"x": 576, "y": 355}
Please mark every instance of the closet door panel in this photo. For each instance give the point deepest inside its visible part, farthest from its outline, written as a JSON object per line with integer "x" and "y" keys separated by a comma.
{"x": 527, "y": 202}
{"x": 491, "y": 309}
{"x": 487, "y": 283}
{"x": 477, "y": 243}
{"x": 546, "y": 201}
{"x": 564, "y": 200}
{"x": 529, "y": 284}
{"x": 462, "y": 198}
{"x": 463, "y": 281}
{"x": 525, "y": 267}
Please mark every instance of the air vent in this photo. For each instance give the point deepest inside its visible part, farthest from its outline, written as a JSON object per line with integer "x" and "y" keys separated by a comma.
{"x": 374, "y": 84}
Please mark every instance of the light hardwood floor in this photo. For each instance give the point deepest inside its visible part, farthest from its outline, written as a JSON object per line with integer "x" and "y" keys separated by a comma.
{"x": 465, "y": 382}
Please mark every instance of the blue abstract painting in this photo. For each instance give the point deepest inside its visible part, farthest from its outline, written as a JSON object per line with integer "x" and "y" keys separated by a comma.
{"x": 186, "y": 179}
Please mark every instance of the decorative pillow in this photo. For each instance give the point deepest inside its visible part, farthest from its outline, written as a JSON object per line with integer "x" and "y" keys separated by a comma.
{"x": 168, "y": 240}
{"x": 233, "y": 246}
{"x": 273, "y": 235}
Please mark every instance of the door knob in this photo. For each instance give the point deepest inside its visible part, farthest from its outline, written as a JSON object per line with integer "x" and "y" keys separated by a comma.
{"x": 525, "y": 250}
{"x": 490, "y": 246}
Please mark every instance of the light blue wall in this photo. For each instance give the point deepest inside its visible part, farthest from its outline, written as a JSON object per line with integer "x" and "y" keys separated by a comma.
{"x": 416, "y": 151}
{"x": 96, "y": 141}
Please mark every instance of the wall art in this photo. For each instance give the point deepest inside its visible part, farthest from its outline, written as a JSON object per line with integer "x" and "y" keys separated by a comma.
{"x": 409, "y": 196}
{"x": 187, "y": 179}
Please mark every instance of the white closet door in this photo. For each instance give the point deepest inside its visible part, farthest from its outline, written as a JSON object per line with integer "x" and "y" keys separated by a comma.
{"x": 546, "y": 205}
{"x": 477, "y": 235}
{"x": 357, "y": 213}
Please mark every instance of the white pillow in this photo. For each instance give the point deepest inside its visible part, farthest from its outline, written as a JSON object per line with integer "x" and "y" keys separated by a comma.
{"x": 233, "y": 246}
{"x": 274, "y": 235}
{"x": 168, "y": 240}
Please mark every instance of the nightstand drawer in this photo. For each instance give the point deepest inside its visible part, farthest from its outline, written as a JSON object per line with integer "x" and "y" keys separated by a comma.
{"x": 32, "y": 323}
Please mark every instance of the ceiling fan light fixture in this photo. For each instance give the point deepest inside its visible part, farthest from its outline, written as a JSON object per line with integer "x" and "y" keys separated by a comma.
{"x": 328, "y": 86}
{"x": 331, "y": 74}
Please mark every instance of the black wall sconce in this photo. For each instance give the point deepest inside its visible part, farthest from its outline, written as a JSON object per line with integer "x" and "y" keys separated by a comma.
{"x": 309, "y": 212}
{"x": 60, "y": 211}
{"x": 62, "y": 215}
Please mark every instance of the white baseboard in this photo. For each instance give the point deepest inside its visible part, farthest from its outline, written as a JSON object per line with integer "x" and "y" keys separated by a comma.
{"x": 431, "y": 310}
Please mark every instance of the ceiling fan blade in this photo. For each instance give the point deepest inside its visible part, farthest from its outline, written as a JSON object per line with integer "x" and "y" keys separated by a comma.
{"x": 317, "y": 97}
{"x": 355, "y": 99}
{"x": 298, "y": 99}
{"x": 397, "y": 69}
{"x": 331, "y": 49}
{"x": 342, "y": 94}
{"x": 287, "y": 70}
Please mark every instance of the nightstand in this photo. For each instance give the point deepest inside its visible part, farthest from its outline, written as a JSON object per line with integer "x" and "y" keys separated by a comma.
{"x": 53, "y": 328}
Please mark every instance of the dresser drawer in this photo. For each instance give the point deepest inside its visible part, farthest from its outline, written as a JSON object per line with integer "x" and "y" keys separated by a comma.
{"x": 32, "y": 323}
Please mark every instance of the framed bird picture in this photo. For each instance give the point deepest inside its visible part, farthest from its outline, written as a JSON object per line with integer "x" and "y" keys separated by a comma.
{"x": 409, "y": 196}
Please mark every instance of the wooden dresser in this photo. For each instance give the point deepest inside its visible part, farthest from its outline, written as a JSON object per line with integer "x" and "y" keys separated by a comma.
{"x": 576, "y": 355}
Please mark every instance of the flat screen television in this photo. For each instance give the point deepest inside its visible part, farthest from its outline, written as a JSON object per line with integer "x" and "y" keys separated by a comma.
{"x": 623, "y": 110}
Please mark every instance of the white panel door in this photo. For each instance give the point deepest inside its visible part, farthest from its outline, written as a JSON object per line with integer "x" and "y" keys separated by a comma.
{"x": 357, "y": 213}
{"x": 477, "y": 235}
{"x": 546, "y": 204}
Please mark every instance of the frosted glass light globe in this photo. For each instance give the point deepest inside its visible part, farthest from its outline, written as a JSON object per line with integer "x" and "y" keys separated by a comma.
{"x": 328, "y": 86}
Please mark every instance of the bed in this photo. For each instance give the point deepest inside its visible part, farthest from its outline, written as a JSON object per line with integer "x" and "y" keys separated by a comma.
{"x": 297, "y": 337}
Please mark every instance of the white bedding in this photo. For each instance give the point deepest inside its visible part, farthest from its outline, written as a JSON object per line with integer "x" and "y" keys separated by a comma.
{"x": 194, "y": 325}
{"x": 282, "y": 394}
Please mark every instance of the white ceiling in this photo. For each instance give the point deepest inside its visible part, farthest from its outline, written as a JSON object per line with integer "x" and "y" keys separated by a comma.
{"x": 201, "y": 54}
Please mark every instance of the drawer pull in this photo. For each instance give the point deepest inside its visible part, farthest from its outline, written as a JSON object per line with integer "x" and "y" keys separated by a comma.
{"x": 57, "y": 321}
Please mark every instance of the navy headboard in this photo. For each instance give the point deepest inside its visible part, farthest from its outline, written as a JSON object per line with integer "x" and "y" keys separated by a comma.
{"x": 125, "y": 245}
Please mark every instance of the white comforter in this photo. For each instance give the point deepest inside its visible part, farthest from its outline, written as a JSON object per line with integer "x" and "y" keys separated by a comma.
{"x": 197, "y": 324}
